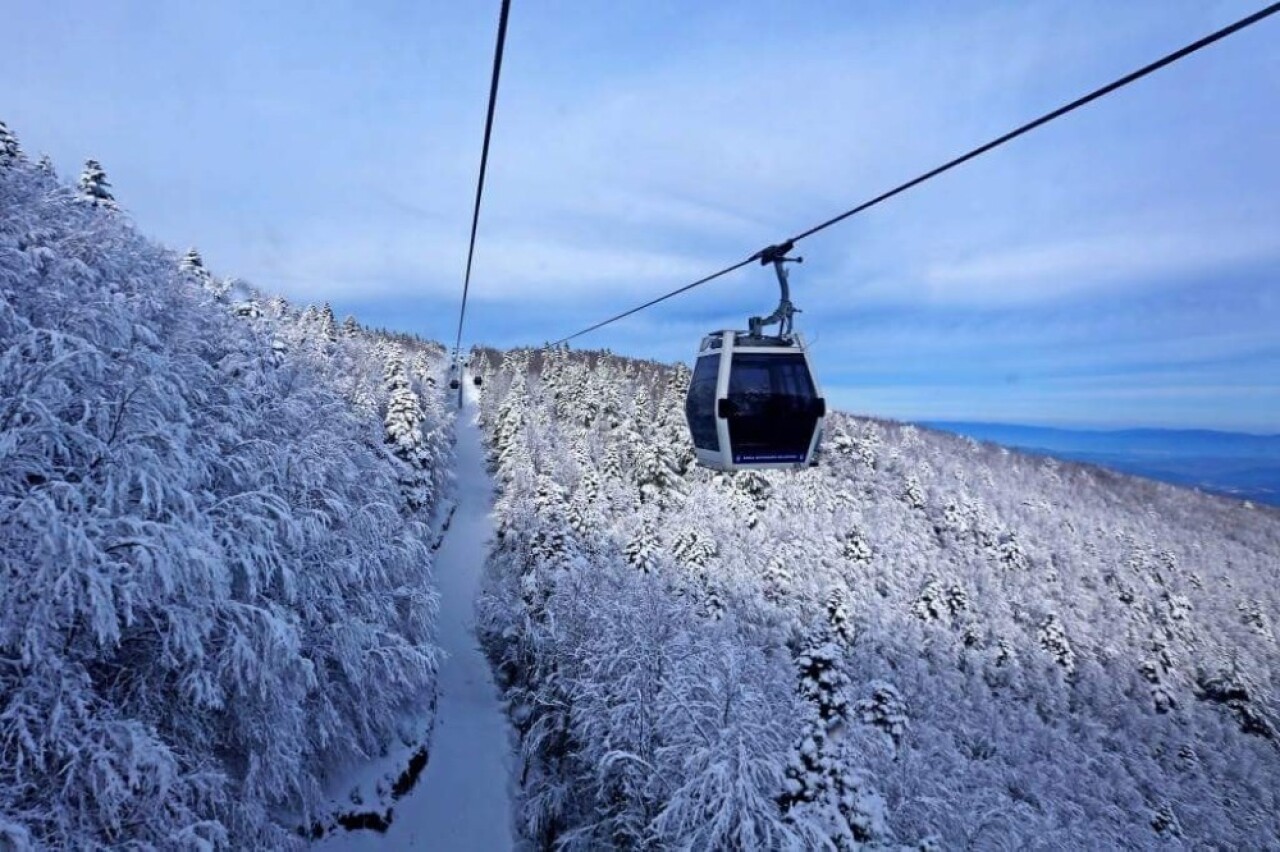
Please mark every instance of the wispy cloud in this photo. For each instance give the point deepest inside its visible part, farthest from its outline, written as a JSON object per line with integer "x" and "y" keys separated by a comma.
{"x": 397, "y": 261}
{"x": 1049, "y": 270}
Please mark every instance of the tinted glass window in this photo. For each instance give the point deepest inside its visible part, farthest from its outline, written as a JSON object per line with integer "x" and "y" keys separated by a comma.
{"x": 772, "y": 382}
{"x": 700, "y": 404}
{"x": 774, "y": 416}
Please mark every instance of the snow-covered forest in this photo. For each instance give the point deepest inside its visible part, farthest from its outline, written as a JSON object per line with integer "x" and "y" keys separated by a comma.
{"x": 924, "y": 642}
{"x": 217, "y": 602}
{"x": 215, "y": 558}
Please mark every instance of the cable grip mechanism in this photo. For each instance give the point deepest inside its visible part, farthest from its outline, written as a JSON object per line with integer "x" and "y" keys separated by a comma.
{"x": 784, "y": 313}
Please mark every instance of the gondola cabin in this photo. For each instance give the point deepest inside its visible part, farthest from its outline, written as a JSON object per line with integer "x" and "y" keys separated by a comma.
{"x": 477, "y": 381}
{"x": 754, "y": 403}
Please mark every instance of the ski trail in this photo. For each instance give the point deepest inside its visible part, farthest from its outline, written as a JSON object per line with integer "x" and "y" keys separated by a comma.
{"x": 463, "y": 799}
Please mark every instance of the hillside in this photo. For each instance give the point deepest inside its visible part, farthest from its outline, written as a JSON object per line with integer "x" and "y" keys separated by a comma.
{"x": 213, "y": 538}
{"x": 924, "y": 641}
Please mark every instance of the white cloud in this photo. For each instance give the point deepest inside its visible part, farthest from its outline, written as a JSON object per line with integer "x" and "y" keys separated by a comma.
{"x": 398, "y": 261}
{"x": 1048, "y": 270}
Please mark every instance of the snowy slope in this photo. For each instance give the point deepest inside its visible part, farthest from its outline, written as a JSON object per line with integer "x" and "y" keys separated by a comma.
{"x": 923, "y": 641}
{"x": 214, "y": 567}
{"x": 462, "y": 800}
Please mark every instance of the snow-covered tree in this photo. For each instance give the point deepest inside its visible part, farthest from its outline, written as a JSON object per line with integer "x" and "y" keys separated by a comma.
{"x": 328, "y": 323}
{"x": 854, "y": 547}
{"x": 403, "y": 424}
{"x": 10, "y": 150}
{"x": 885, "y": 710}
{"x": 94, "y": 188}
{"x": 838, "y": 618}
{"x": 1054, "y": 640}
{"x": 642, "y": 549}
{"x": 192, "y": 265}
{"x": 778, "y": 579}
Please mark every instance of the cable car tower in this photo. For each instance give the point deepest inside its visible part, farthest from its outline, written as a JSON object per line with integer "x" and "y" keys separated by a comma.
{"x": 753, "y": 402}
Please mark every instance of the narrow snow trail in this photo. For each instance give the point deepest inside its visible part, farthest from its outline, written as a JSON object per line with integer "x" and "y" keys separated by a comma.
{"x": 463, "y": 799}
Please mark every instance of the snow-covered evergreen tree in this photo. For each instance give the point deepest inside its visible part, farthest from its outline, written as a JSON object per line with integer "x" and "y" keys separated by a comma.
{"x": 328, "y": 323}
{"x": 838, "y": 618}
{"x": 94, "y": 188}
{"x": 192, "y": 265}
{"x": 642, "y": 550}
{"x": 403, "y": 423}
{"x": 1054, "y": 640}
{"x": 10, "y": 150}
{"x": 885, "y": 710}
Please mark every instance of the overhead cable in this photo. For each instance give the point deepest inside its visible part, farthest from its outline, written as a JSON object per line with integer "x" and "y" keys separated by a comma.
{"x": 484, "y": 162}
{"x": 1102, "y": 91}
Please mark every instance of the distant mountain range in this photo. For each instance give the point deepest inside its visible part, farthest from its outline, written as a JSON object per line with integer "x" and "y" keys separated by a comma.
{"x": 1230, "y": 463}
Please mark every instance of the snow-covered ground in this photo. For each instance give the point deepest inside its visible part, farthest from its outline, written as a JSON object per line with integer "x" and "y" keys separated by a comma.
{"x": 463, "y": 799}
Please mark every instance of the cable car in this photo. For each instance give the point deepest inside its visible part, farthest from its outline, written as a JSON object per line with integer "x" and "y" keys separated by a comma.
{"x": 476, "y": 380}
{"x": 753, "y": 402}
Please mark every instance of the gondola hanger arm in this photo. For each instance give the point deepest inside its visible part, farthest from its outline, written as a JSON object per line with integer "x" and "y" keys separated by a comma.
{"x": 786, "y": 310}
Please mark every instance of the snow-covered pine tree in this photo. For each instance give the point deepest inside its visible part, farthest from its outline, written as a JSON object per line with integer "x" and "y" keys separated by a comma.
{"x": 642, "y": 549}
{"x": 1053, "y": 638}
{"x": 642, "y": 407}
{"x": 671, "y": 431}
{"x": 611, "y": 464}
{"x": 754, "y": 485}
{"x": 838, "y": 618}
{"x": 589, "y": 486}
{"x": 822, "y": 681}
{"x": 328, "y": 324}
{"x": 192, "y": 265}
{"x": 1165, "y": 822}
{"x": 821, "y": 786}
{"x": 10, "y": 150}
{"x": 940, "y": 602}
{"x": 694, "y": 547}
{"x": 94, "y": 188}
{"x": 885, "y": 710}
{"x": 46, "y": 167}
{"x": 404, "y": 434}
{"x": 778, "y": 581}
{"x": 854, "y": 547}
{"x": 655, "y": 472}
{"x": 913, "y": 492}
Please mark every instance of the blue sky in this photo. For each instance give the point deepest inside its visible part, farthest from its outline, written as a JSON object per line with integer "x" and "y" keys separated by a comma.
{"x": 1120, "y": 267}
